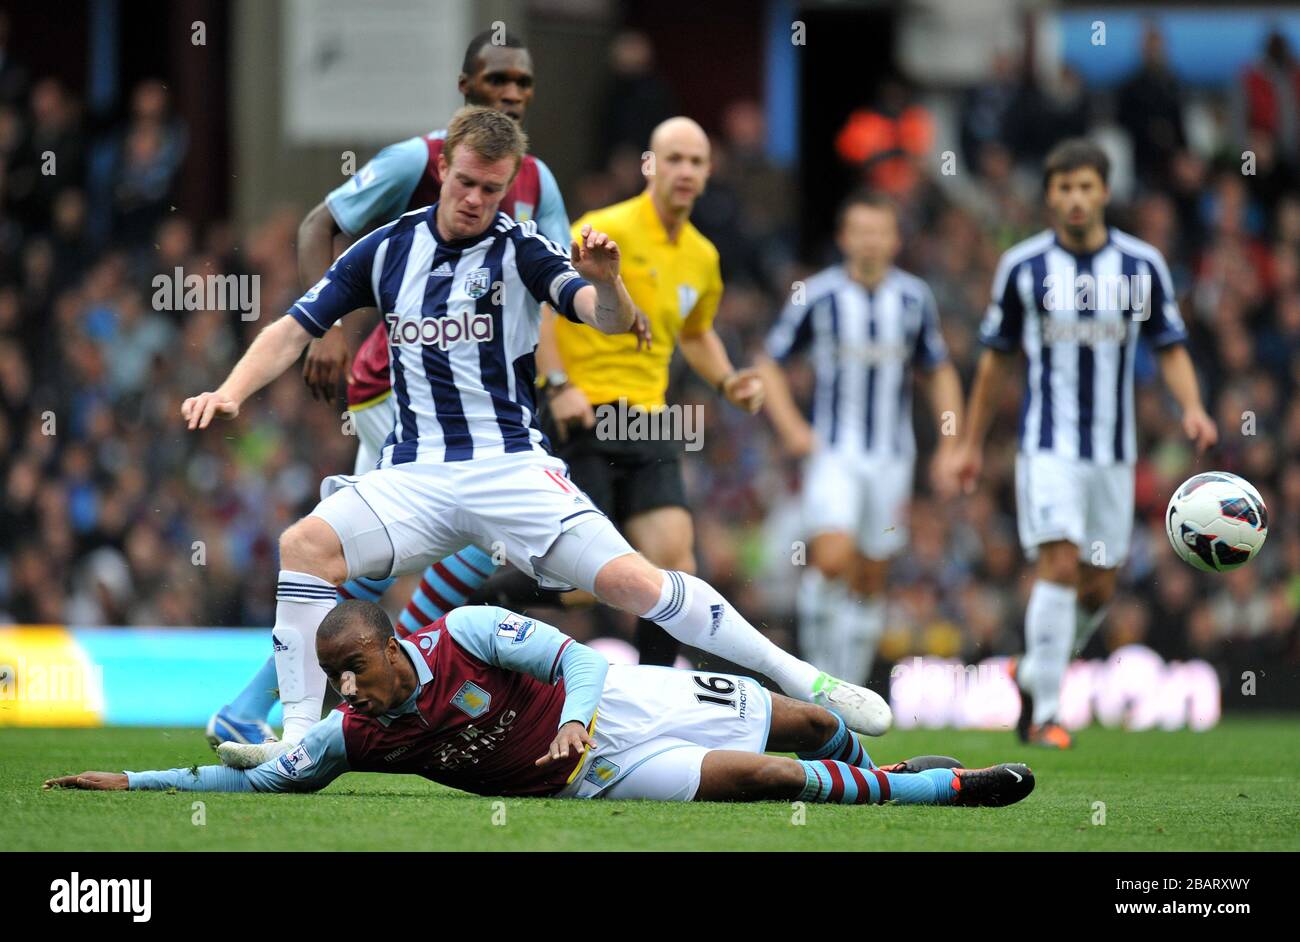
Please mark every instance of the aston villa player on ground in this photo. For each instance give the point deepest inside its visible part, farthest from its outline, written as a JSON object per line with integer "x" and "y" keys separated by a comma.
{"x": 490, "y": 702}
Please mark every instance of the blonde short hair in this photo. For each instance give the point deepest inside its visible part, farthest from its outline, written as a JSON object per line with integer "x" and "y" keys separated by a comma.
{"x": 488, "y": 133}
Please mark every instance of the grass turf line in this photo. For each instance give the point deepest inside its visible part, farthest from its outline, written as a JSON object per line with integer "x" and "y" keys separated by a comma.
{"x": 1236, "y": 787}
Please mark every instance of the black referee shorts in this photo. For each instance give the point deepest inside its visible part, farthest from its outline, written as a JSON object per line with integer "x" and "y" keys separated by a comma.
{"x": 622, "y": 478}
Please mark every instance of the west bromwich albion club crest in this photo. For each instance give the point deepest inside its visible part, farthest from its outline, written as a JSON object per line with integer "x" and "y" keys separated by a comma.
{"x": 472, "y": 699}
{"x": 477, "y": 282}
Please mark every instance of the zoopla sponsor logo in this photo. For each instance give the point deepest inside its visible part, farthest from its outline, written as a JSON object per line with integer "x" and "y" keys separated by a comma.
{"x": 440, "y": 332}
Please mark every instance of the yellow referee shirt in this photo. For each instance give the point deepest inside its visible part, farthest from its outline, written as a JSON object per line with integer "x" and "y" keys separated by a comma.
{"x": 677, "y": 285}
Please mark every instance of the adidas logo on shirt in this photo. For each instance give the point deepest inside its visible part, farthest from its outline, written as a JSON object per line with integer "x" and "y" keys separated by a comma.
{"x": 442, "y": 271}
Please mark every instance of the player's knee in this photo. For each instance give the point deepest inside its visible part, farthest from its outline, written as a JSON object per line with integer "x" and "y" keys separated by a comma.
{"x": 833, "y": 557}
{"x": 774, "y": 777}
{"x": 311, "y": 546}
{"x": 629, "y": 582}
{"x": 822, "y": 724}
{"x": 1059, "y": 562}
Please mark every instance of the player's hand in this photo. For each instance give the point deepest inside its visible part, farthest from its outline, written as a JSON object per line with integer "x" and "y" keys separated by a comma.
{"x": 572, "y": 736}
{"x": 641, "y": 329}
{"x": 570, "y": 408}
{"x": 91, "y": 782}
{"x": 966, "y": 466}
{"x": 595, "y": 256}
{"x": 798, "y": 442}
{"x": 944, "y": 480}
{"x": 199, "y": 410}
{"x": 1201, "y": 429}
{"x": 327, "y": 362}
{"x": 744, "y": 390}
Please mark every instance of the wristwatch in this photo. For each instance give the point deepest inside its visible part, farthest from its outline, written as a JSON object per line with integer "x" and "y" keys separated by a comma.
{"x": 554, "y": 381}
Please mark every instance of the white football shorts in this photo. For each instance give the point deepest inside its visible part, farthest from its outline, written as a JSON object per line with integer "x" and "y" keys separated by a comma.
{"x": 373, "y": 423}
{"x": 654, "y": 726}
{"x": 865, "y": 496}
{"x": 1090, "y": 505}
{"x": 397, "y": 520}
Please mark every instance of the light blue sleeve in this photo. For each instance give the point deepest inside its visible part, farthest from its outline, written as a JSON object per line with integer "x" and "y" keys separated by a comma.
{"x": 380, "y": 190}
{"x": 319, "y": 759}
{"x": 518, "y": 643}
{"x": 552, "y": 218}
{"x": 206, "y": 778}
{"x": 315, "y": 762}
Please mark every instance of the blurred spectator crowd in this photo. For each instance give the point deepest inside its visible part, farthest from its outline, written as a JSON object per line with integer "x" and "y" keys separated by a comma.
{"x": 111, "y": 514}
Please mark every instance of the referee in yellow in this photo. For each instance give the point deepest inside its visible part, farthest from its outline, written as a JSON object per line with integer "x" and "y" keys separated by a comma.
{"x": 671, "y": 271}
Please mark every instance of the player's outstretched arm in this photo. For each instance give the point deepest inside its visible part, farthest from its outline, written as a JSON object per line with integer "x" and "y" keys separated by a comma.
{"x": 207, "y": 778}
{"x": 603, "y": 303}
{"x": 320, "y": 758}
{"x": 1180, "y": 376}
{"x": 273, "y": 351}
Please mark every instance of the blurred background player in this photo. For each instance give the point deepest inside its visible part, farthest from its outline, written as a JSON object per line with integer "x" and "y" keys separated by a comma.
{"x": 672, "y": 273}
{"x": 866, "y": 326}
{"x": 1054, "y": 298}
{"x": 473, "y": 701}
{"x": 495, "y": 74}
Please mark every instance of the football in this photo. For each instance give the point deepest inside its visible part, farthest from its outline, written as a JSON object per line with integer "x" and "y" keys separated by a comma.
{"x": 1216, "y": 521}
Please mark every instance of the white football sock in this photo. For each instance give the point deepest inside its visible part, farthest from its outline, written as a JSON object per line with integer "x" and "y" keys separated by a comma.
{"x": 301, "y": 604}
{"x": 817, "y": 600}
{"x": 858, "y": 624}
{"x": 1049, "y": 635}
{"x": 694, "y": 613}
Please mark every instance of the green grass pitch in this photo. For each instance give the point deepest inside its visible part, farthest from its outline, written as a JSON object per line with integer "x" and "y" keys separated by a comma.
{"x": 1236, "y": 787}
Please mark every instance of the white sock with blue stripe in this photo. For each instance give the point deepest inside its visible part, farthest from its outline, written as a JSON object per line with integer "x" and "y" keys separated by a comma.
{"x": 301, "y": 603}
{"x": 694, "y": 613}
